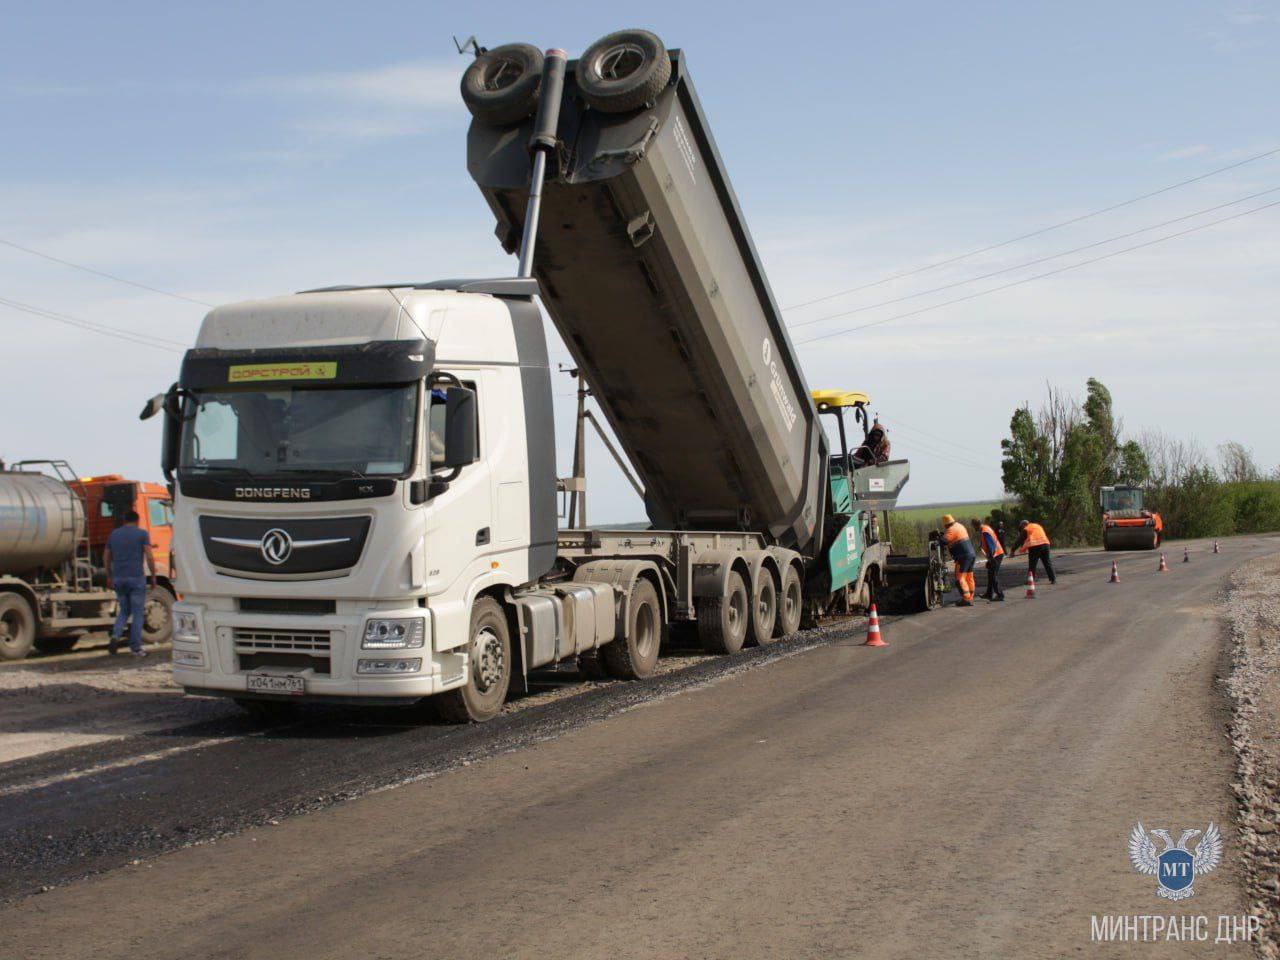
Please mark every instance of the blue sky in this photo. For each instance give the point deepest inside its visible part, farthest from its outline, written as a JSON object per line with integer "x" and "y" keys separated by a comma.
{"x": 231, "y": 151}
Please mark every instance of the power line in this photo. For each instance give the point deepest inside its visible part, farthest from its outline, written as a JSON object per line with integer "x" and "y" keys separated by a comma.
{"x": 1036, "y": 233}
{"x": 1039, "y": 276}
{"x": 899, "y": 425}
{"x": 1038, "y": 260}
{"x": 101, "y": 273}
{"x": 158, "y": 343}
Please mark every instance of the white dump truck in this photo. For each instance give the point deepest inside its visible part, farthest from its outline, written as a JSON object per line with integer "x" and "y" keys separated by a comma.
{"x": 365, "y": 476}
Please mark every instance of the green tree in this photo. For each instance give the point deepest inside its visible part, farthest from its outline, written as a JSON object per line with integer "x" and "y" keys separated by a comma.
{"x": 1056, "y": 460}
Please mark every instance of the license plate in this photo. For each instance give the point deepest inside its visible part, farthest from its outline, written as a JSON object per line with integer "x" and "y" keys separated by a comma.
{"x": 274, "y": 683}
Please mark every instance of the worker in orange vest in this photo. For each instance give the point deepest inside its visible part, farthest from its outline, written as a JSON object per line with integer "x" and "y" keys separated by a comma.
{"x": 994, "y": 552}
{"x": 956, "y": 537}
{"x": 1036, "y": 543}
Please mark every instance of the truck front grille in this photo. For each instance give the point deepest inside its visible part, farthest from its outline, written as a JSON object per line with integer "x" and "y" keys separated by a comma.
{"x": 283, "y": 641}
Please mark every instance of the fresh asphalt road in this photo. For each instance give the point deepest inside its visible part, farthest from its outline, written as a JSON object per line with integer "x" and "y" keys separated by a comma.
{"x": 966, "y": 791}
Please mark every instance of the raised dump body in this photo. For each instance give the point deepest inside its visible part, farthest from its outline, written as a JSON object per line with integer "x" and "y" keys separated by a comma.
{"x": 649, "y": 273}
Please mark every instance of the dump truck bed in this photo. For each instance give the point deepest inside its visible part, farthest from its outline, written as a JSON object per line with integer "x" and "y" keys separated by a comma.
{"x": 649, "y": 274}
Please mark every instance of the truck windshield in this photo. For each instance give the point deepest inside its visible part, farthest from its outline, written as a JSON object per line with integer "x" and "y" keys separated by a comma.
{"x": 1121, "y": 500}
{"x": 344, "y": 430}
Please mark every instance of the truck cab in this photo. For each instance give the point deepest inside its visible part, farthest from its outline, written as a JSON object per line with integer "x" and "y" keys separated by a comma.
{"x": 354, "y": 468}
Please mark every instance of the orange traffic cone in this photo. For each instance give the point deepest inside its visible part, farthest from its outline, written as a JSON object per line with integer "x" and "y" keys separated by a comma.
{"x": 873, "y": 629}
{"x": 1215, "y": 547}
{"x": 1031, "y": 585}
{"x": 1186, "y": 555}
{"x": 1164, "y": 566}
{"x": 1115, "y": 573}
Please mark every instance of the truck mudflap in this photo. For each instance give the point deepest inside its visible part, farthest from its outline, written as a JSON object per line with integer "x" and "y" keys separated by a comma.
{"x": 650, "y": 276}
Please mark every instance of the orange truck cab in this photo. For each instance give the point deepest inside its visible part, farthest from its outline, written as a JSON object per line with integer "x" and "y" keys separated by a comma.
{"x": 107, "y": 500}
{"x": 1126, "y": 523}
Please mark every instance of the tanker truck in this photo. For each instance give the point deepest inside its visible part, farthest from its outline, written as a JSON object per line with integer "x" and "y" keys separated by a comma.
{"x": 53, "y": 528}
{"x": 48, "y": 597}
{"x": 365, "y": 484}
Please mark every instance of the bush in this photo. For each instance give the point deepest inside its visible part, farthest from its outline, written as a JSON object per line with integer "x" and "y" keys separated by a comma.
{"x": 1255, "y": 505}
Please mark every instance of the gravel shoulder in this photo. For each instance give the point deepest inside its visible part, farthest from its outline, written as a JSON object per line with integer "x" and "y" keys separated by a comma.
{"x": 1253, "y": 614}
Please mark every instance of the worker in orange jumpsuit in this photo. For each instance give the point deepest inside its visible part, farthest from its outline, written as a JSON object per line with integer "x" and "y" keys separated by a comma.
{"x": 956, "y": 537}
{"x": 1036, "y": 543}
{"x": 994, "y": 552}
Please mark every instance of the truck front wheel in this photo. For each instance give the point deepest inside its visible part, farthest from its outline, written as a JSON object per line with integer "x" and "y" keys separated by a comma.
{"x": 17, "y": 627}
{"x": 723, "y": 621}
{"x": 157, "y": 620}
{"x": 489, "y": 669}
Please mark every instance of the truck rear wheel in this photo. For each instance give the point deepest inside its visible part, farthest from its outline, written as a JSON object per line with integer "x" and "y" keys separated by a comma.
{"x": 635, "y": 656}
{"x": 723, "y": 621}
{"x": 17, "y": 627}
{"x": 489, "y": 673}
{"x": 764, "y": 610}
{"x": 790, "y": 603}
{"x": 501, "y": 85}
{"x": 157, "y": 620}
{"x": 623, "y": 71}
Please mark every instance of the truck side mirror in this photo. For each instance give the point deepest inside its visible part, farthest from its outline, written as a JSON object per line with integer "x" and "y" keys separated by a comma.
{"x": 170, "y": 404}
{"x": 460, "y": 428}
{"x": 152, "y": 407}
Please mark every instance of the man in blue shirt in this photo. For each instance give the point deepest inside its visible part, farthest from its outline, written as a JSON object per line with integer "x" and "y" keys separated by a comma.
{"x": 128, "y": 547}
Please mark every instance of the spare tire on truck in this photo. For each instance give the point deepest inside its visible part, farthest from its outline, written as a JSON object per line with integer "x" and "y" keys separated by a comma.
{"x": 501, "y": 85}
{"x": 623, "y": 71}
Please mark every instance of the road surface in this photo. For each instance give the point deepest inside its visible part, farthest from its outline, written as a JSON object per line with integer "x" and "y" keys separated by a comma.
{"x": 965, "y": 792}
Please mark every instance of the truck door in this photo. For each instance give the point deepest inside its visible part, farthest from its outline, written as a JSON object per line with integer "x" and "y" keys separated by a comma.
{"x": 460, "y": 535}
{"x": 157, "y": 518}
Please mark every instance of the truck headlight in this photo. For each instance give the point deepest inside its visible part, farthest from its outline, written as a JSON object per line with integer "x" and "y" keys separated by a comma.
{"x": 186, "y": 627}
{"x": 393, "y": 634}
{"x": 403, "y": 665}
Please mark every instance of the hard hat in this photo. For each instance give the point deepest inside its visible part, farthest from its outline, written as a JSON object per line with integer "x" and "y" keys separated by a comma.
{"x": 948, "y": 518}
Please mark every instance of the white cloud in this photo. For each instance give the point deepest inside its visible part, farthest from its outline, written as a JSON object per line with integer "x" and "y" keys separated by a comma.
{"x": 418, "y": 84}
{"x": 1245, "y": 18}
{"x": 394, "y": 100}
{"x": 1185, "y": 153}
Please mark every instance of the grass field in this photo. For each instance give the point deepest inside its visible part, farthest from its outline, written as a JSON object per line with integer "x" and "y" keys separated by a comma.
{"x": 931, "y": 512}
{"x": 909, "y": 527}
